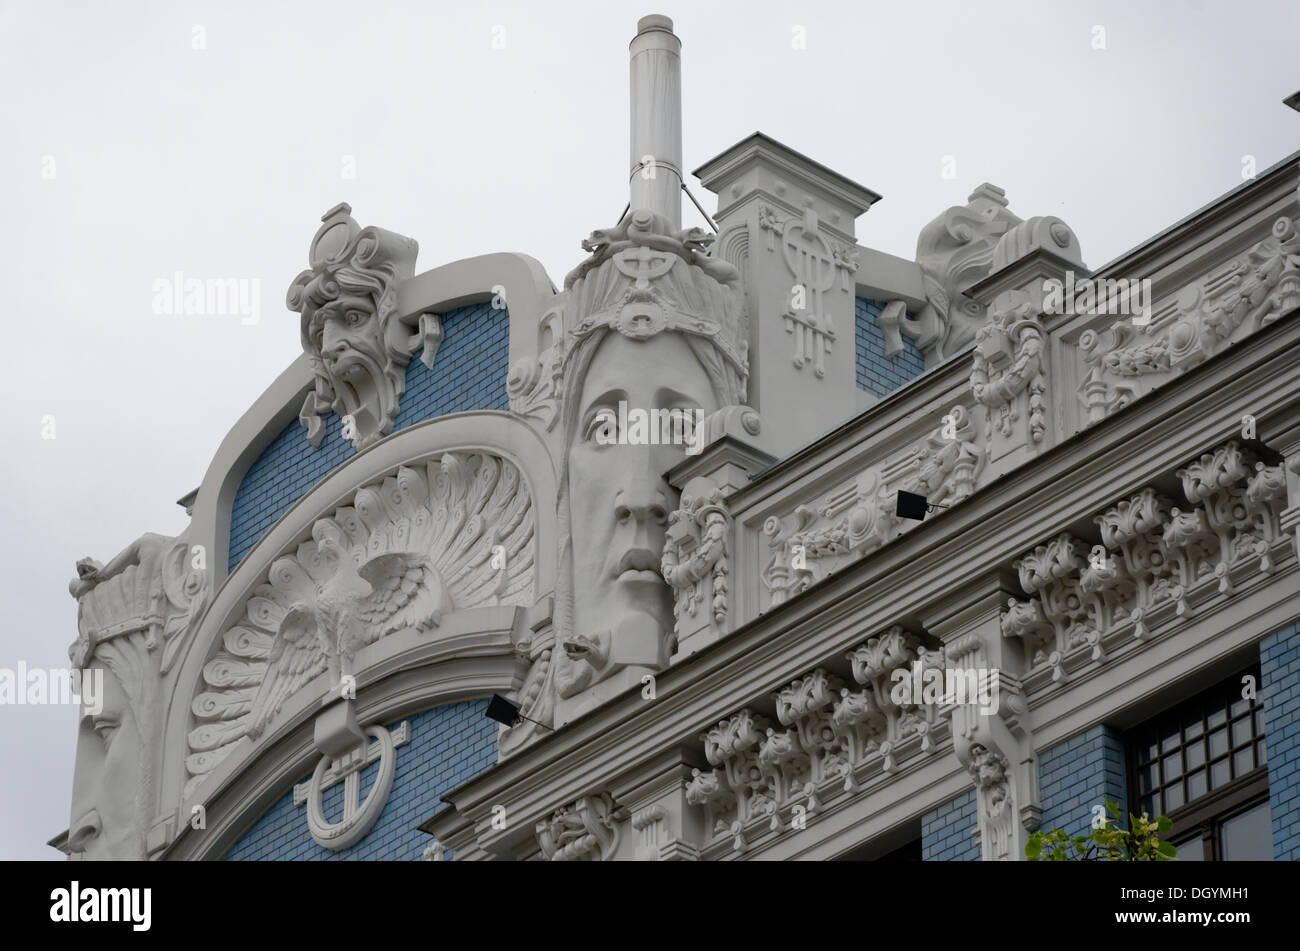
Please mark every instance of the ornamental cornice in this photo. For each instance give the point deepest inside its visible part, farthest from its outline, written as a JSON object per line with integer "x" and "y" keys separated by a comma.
{"x": 1063, "y": 485}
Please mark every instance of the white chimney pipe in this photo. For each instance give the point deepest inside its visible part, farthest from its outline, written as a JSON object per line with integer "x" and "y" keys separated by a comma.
{"x": 656, "y": 156}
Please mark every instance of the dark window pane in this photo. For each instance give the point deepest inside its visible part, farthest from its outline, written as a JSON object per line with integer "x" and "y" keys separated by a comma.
{"x": 1218, "y": 743}
{"x": 1243, "y": 761}
{"x": 1196, "y": 784}
{"x": 1172, "y": 766}
{"x": 1170, "y": 742}
{"x": 1151, "y": 752}
{"x": 1147, "y": 804}
{"x": 1220, "y": 773}
{"x": 1241, "y": 732}
{"x": 1191, "y": 850}
{"x": 1261, "y": 754}
{"x": 1195, "y": 755}
{"x": 1248, "y": 835}
{"x": 1259, "y": 720}
{"x": 1147, "y": 779}
{"x": 1194, "y": 728}
{"x": 1217, "y": 718}
{"x": 1240, "y": 707}
{"x": 1173, "y": 797}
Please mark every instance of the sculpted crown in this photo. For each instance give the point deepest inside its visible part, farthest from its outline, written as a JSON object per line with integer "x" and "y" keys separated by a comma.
{"x": 644, "y": 277}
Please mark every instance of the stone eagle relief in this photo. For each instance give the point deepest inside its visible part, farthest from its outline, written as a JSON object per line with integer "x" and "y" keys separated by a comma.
{"x": 454, "y": 533}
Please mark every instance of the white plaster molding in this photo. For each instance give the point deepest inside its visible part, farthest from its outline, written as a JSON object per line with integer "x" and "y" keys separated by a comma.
{"x": 586, "y": 830}
{"x": 404, "y": 552}
{"x": 694, "y": 560}
{"x": 359, "y": 816}
{"x": 492, "y": 433}
{"x": 844, "y": 525}
{"x": 1234, "y": 299}
{"x": 836, "y": 742}
{"x": 1157, "y": 562}
{"x": 357, "y": 350}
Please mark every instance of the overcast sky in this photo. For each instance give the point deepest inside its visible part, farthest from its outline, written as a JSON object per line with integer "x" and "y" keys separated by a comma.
{"x": 129, "y": 154}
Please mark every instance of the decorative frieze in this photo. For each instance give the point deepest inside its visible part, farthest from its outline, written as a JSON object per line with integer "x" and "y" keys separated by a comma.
{"x": 1238, "y": 298}
{"x": 815, "y": 541}
{"x": 833, "y": 738}
{"x": 1157, "y": 560}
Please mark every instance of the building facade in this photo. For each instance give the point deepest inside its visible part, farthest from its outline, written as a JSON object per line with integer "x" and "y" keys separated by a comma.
{"x": 779, "y": 546}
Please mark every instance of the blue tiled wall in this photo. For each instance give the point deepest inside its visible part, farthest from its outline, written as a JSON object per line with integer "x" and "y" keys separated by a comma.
{"x": 1279, "y": 662}
{"x": 1081, "y": 773}
{"x": 948, "y": 833}
{"x": 449, "y": 746}
{"x": 878, "y": 373}
{"x": 469, "y": 373}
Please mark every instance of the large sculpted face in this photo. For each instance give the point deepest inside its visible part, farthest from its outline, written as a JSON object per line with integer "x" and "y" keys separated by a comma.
{"x": 110, "y": 806}
{"x": 619, "y": 504}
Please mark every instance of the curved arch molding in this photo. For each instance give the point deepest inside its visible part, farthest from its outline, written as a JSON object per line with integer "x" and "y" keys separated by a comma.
{"x": 468, "y": 652}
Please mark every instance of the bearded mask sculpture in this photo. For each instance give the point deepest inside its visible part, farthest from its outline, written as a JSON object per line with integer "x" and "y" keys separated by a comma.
{"x": 358, "y": 347}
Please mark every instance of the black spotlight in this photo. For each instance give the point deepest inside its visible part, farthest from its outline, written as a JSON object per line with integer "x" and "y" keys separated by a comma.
{"x": 506, "y": 711}
{"x": 911, "y": 505}
{"x": 502, "y": 710}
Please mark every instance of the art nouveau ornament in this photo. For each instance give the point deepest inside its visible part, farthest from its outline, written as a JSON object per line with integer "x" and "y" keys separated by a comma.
{"x": 649, "y": 320}
{"x": 359, "y": 815}
{"x": 1159, "y": 559}
{"x": 446, "y": 535}
{"x": 359, "y": 350}
{"x": 133, "y": 616}
{"x": 1249, "y": 292}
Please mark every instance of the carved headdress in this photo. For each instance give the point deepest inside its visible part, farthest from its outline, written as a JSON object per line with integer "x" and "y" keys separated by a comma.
{"x": 643, "y": 278}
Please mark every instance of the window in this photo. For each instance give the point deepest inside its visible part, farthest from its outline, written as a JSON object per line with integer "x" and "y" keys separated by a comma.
{"x": 1203, "y": 764}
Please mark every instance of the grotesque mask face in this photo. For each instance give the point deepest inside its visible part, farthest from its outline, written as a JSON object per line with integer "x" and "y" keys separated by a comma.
{"x": 619, "y": 504}
{"x": 110, "y": 809}
{"x": 352, "y": 357}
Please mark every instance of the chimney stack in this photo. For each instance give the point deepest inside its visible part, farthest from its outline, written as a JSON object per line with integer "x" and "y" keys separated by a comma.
{"x": 656, "y": 154}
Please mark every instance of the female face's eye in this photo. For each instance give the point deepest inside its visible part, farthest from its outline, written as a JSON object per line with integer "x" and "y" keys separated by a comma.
{"x": 106, "y": 729}
{"x": 603, "y": 428}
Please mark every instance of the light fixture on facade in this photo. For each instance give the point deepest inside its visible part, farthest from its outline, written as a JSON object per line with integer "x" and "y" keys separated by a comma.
{"x": 914, "y": 506}
{"x": 505, "y": 711}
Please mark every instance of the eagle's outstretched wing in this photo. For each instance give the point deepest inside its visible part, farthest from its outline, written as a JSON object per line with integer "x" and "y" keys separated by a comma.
{"x": 406, "y": 591}
{"x": 297, "y": 656}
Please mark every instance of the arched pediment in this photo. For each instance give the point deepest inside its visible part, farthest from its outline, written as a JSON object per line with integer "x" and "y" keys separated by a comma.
{"x": 424, "y": 537}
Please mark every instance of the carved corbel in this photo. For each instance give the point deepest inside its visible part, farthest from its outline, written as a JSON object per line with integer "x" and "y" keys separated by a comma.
{"x": 588, "y": 830}
{"x": 997, "y": 750}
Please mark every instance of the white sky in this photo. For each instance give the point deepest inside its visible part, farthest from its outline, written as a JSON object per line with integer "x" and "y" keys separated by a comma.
{"x": 219, "y": 163}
